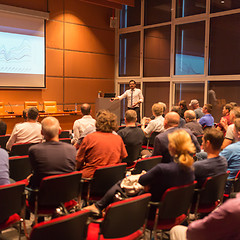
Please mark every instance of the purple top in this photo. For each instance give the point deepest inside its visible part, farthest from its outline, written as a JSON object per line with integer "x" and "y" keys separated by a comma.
{"x": 4, "y": 167}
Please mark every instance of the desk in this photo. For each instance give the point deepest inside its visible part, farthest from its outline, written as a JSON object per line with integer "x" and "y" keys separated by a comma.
{"x": 66, "y": 119}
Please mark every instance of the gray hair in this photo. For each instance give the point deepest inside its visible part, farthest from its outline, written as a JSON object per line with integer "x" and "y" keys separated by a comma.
{"x": 50, "y": 127}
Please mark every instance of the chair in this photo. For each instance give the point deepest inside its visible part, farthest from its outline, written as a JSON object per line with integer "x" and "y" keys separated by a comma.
{"x": 173, "y": 208}
{"x": 11, "y": 204}
{"x": 64, "y": 134}
{"x": 50, "y": 106}
{"x": 3, "y": 141}
{"x": 2, "y": 108}
{"x": 19, "y": 167}
{"x": 66, "y": 140}
{"x": 199, "y": 138}
{"x": 123, "y": 220}
{"x": 54, "y": 192}
{"x": 103, "y": 179}
{"x": 29, "y": 104}
{"x": 20, "y": 149}
{"x": 146, "y": 164}
{"x": 210, "y": 195}
{"x": 72, "y": 226}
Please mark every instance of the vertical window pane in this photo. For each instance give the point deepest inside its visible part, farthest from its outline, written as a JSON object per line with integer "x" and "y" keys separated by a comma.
{"x": 224, "y": 48}
{"x": 189, "y": 91}
{"x": 155, "y": 92}
{"x": 130, "y": 16}
{"x": 157, "y": 52}
{"x": 157, "y": 11}
{"x": 129, "y": 54}
{"x": 223, "y": 5}
{"x": 189, "y": 49}
{"x": 190, "y": 7}
{"x": 220, "y": 93}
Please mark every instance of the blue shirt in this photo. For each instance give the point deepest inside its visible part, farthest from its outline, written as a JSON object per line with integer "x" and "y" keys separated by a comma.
{"x": 4, "y": 167}
{"x": 207, "y": 120}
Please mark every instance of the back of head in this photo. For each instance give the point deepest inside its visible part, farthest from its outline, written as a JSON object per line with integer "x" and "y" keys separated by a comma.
{"x": 32, "y": 113}
{"x": 106, "y": 122}
{"x": 183, "y": 104}
{"x": 3, "y": 128}
{"x": 85, "y": 109}
{"x": 175, "y": 109}
{"x": 181, "y": 143}
{"x": 233, "y": 104}
{"x": 215, "y": 137}
{"x": 190, "y": 114}
{"x": 236, "y": 112}
{"x": 208, "y": 107}
{"x": 131, "y": 116}
{"x": 172, "y": 119}
{"x": 237, "y": 127}
{"x": 228, "y": 107}
{"x": 50, "y": 127}
{"x": 164, "y": 106}
{"x": 157, "y": 109}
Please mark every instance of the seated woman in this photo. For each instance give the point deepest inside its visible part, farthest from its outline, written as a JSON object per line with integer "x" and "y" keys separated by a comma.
{"x": 163, "y": 175}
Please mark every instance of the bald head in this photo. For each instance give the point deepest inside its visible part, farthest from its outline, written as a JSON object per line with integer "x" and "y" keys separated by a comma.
{"x": 50, "y": 128}
{"x": 171, "y": 120}
{"x": 189, "y": 115}
{"x": 85, "y": 109}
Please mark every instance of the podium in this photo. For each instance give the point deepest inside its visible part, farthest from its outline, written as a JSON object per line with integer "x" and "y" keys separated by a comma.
{"x": 105, "y": 103}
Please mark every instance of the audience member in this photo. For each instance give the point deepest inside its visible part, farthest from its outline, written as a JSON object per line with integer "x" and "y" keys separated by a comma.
{"x": 132, "y": 137}
{"x": 232, "y": 153}
{"x": 207, "y": 120}
{"x": 230, "y": 136}
{"x": 51, "y": 157}
{"x": 183, "y": 107}
{"x": 4, "y": 167}
{"x": 102, "y": 147}
{"x": 155, "y": 125}
{"x": 171, "y": 122}
{"x": 196, "y": 108}
{"x": 223, "y": 223}
{"x": 182, "y": 121}
{"x": 86, "y": 121}
{"x": 3, "y": 128}
{"x": 29, "y": 131}
{"x": 192, "y": 124}
{"x": 233, "y": 104}
{"x": 214, "y": 164}
{"x": 225, "y": 120}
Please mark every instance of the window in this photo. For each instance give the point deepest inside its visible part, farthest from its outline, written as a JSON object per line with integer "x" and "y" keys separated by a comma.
{"x": 224, "y": 5}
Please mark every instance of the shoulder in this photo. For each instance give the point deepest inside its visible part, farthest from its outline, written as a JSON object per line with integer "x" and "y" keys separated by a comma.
{"x": 3, "y": 153}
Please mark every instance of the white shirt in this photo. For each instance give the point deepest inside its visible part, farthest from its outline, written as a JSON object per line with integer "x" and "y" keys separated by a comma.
{"x": 25, "y": 132}
{"x": 155, "y": 125}
{"x": 136, "y": 97}
{"x": 80, "y": 125}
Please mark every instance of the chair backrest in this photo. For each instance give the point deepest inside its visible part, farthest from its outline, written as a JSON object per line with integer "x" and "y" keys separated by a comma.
{"x": 19, "y": 167}
{"x": 64, "y": 134}
{"x": 66, "y": 140}
{"x": 105, "y": 177}
{"x": 50, "y": 106}
{"x": 133, "y": 153}
{"x": 212, "y": 189}
{"x": 72, "y": 227}
{"x": 58, "y": 189}
{"x": 152, "y": 138}
{"x": 2, "y": 108}
{"x": 11, "y": 199}
{"x": 20, "y": 149}
{"x": 236, "y": 183}
{"x": 176, "y": 201}
{"x": 3, "y": 140}
{"x": 29, "y": 104}
{"x": 199, "y": 138}
{"x": 146, "y": 164}
{"x": 125, "y": 217}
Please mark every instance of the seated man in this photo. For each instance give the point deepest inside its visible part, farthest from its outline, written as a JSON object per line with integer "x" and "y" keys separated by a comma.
{"x": 223, "y": 223}
{"x": 132, "y": 137}
{"x": 3, "y": 128}
{"x": 51, "y": 157}
{"x": 4, "y": 167}
{"x": 102, "y": 147}
{"x": 207, "y": 120}
{"x": 225, "y": 119}
{"x": 191, "y": 123}
{"x": 214, "y": 164}
{"x": 29, "y": 131}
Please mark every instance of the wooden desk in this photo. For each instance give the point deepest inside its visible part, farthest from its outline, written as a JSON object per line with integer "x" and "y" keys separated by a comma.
{"x": 66, "y": 119}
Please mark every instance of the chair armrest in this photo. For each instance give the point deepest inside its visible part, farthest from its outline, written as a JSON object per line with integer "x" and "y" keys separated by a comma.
{"x": 32, "y": 190}
{"x": 98, "y": 221}
{"x": 154, "y": 203}
{"x": 86, "y": 179}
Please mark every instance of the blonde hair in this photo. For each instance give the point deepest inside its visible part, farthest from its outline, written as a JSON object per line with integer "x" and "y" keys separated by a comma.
{"x": 182, "y": 144}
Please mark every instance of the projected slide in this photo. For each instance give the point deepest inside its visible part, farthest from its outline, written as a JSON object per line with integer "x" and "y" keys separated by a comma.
{"x": 23, "y": 54}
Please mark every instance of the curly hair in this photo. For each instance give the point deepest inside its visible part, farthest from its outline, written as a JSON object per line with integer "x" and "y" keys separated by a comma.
{"x": 106, "y": 122}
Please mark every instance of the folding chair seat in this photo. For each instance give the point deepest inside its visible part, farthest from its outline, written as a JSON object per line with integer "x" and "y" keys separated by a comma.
{"x": 173, "y": 208}
{"x": 103, "y": 179}
{"x": 19, "y": 167}
{"x": 57, "y": 191}
{"x": 12, "y": 202}
{"x": 72, "y": 227}
{"x": 146, "y": 164}
{"x": 123, "y": 220}
{"x": 150, "y": 141}
{"x": 210, "y": 195}
{"x": 20, "y": 149}
{"x": 3, "y": 141}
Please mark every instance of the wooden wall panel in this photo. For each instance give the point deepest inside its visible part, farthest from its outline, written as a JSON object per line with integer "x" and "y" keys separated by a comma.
{"x": 88, "y": 39}
{"x": 54, "y": 62}
{"x": 54, "y": 34}
{"x": 89, "y": 65}
{"x": 55, "y": 8}
{"x": 85, "y": 90}
{"x": 39, "y": 5}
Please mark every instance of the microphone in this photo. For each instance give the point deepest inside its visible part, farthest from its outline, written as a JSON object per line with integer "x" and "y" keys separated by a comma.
{"x": 12, "y": 112}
